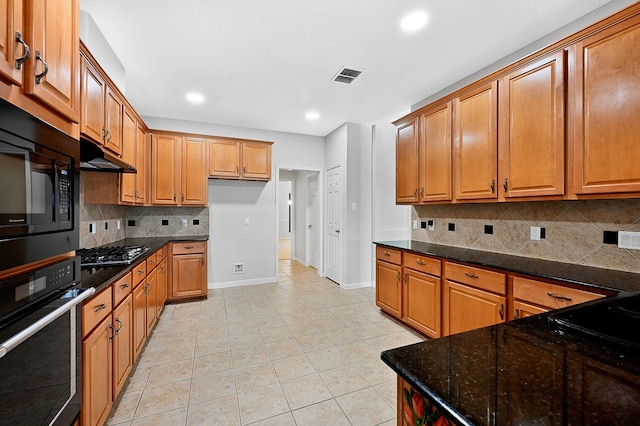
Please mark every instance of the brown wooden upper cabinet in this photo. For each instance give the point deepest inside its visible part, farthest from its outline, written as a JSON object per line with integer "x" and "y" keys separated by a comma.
{"x": 532, "y": 129}
{"x": 236, "y": 159}
{"x": 407, "y": 162}
{"x": 178, "y": 170}
{"x": 133, "y": 186}
{"x": 435, "y": 154}
{"x": 39, "y": 62}
{"x": 475, "y": 157}
{"x": 607, "y": 110}
{"x": 102, "y": 111}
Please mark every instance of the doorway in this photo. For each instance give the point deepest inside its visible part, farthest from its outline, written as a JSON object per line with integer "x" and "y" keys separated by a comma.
{"x": 299, "y": 217}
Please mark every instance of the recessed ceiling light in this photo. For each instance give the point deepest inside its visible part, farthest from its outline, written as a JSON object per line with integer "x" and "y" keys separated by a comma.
{"x": 312, "y": 115}
{"x": 414, "y": 21}
{"x": 196, "y": 98}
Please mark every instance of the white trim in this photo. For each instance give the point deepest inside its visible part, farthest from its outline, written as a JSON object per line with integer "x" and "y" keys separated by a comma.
{"x": 300, "y": 261}
{"x": 356, "y": 285}
{"x": 255, "y": 281}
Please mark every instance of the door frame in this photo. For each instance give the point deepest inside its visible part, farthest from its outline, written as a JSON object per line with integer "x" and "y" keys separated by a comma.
{"x": 307, "y": 217}
{"x": 320, "y": 207}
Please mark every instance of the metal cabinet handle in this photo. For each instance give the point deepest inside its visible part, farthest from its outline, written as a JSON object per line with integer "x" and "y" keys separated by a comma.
{"x": 244, "y": 170}
{"x": 422, "y": 192}
{"x": 420, "y": 262}
{"x": 501, "y": 311}
{"x": 104, "y": 134}
{"x": 27, "y": 51}
{"x": 188, "y": 247}
{"x": 118, "y": 329}
{"x": 109, "y": 135}
{"x": 559, "y": 296}
{"x": 124, "y": 286}
{"x": 114, "y": 333}
{"x": 415, "y": 193}
{"x": 405, "y": 278}
{"x": 474, "y": 276}
{"x": 174, "y": 196}
{"x": 44, "y": 72}
{"x": 153, "y": 262}
{"x": 100, "y": 307}
{"x": 505, "y": 185}
{"x": 140, "y": 272}
{"x": 516, "y": 314}
{"x": 386, "y": 253}
{"x": 183, "y": 196}
{"x": 493, "y": 186}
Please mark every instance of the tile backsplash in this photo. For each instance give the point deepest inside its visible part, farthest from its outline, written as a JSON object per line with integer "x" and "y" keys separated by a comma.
{"x": 149, "y": 222}
{"x": 573, "y": 229}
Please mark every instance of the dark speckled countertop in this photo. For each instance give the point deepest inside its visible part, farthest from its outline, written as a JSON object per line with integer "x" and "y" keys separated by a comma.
{"x": 101, "y": 277}
{"x": 566, "y": 272}
{"x": 531, "y": 371}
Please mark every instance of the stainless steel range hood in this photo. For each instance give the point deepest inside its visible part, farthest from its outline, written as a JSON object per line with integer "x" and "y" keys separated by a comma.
{"x": 95, "y": 159}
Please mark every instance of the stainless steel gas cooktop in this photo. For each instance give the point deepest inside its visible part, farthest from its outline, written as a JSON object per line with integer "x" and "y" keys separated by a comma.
{"x": 109, "y": 256}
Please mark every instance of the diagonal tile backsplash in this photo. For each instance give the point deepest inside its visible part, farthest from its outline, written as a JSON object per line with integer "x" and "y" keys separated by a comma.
{"x": 573, "y": 229}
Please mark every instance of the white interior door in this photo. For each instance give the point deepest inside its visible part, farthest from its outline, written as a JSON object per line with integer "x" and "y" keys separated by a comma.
{"x": 333, "y": 227}
{"x": 312, "y": 223}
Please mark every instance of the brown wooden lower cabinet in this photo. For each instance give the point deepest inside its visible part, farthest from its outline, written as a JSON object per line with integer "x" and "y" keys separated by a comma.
{"x": 421, "y": 297}
{"x": 188, "y": 270}
{"x": 388, "y": 288}
{"x": 97, "y": 376}
{"x": 467, "y": 308}
{"x": 122, "y": 341}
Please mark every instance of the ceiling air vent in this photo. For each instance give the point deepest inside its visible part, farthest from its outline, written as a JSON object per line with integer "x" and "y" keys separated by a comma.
{"x": 347, "y": 75}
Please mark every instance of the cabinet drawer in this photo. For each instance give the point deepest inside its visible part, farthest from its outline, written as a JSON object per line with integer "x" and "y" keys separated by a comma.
{"x": 476, "y": 277}
{"x": 389, "y": 255}
{"x": 122, "y": 288}
{"x": 152, "y": 262}
{"x": 549, "y": 295}
{"x": 95, "y": 310}
{"x": 188, "y": 247}
{"x": 424, "y": 264}
{"x": 162, "y": 253}
{"x": 139, "y": 272}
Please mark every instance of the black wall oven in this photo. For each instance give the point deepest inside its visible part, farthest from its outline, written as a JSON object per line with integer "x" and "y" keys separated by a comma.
{"x": 39, "y": 204}
{"x": 40, "y": 345}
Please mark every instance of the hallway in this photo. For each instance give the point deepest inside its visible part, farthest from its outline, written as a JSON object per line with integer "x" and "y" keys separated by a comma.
{"x": 301, "y": 351}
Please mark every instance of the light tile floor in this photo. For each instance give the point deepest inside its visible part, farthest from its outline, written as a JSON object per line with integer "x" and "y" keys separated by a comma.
{"x": 301, "y": 351}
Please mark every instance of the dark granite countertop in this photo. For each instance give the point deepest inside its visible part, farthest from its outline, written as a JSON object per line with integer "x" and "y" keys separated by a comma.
{"x": 101, "y": 277}
{"x": 528, "y": 371}
{"x": 565, "y": 272}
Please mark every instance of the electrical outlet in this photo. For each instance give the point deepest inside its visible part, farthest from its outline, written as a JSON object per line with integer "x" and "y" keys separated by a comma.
{"x": 183, "y": 223}
{"x": 629, "y": 240}
{"x": 238, "y": 268}
{"x": 118, "y": 224}
{"x": 92, "y": 228}
{"x": 535, "y": 233}
{"x": 431, "y": 225}
{"x": 415, "y": 224}
{"x": 246, "y": 221}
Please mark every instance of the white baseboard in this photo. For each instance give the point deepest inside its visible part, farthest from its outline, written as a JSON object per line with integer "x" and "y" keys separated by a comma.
{"x": 300, "y": 261}
{"x": 356, "y": 285}
{"x": 256, "y": 281}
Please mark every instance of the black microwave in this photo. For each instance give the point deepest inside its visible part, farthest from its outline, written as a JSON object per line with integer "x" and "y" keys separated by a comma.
{"x": 39, "y": 203}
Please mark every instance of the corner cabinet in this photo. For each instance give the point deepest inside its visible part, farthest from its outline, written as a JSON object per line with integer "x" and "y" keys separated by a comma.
{"x": 237, "y": 159}
{"x": 188, "y": 273}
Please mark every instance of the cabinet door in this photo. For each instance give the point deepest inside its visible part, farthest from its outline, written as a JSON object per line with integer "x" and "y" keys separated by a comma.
{"x": 224, "y": 159}
{"x": 467, "y": 308}
{"x": 122, "y": 352}
{"x": 11, "y": 23}
{"x": 532, "y": 141}
{"x": 97, "y": 374}
{"x": 165, "y": 169}
{"x": 113, "y": 121}
{"x": 607, "y": 107}
{"x": 139, "y": 319}
{"x": 151, "y": 294}
{"x": 256, "y": 161}
{"x": 388, "y": 288}
{"x": 56, "y": 42}
{"x": 162, "y": 279}
{"x": 129, "y": 144}
{"x": 142, "y": 165}
{"x": 92, "y": 92}
{"x": 407, "y": 163}
{"x": 435, "y": 154}
{"x": 421, "y": 299}
{"x": 189, "y": 278}
{"x": 523, "y": 310}
{"x": 476, "y": 144}
{"x": 194, "y": 178}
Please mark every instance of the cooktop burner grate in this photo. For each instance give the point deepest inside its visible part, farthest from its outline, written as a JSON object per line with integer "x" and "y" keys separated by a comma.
{"x": 104, "y": 256}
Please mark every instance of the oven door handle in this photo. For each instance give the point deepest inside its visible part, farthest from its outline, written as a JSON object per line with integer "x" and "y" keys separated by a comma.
{"x": 12, "y": 342}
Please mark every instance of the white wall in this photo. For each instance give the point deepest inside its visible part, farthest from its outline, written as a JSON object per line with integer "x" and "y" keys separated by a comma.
{"x": 230, "y": 241}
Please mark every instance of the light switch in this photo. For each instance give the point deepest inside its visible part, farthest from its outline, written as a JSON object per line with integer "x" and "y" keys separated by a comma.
{"x": 246, "y": 221}
{"x": 415, "y": 224}
{"x": 184, "y": 223}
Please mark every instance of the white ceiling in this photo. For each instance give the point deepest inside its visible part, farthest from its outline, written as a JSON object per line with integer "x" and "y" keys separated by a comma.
{"x": 265, "y": 63}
